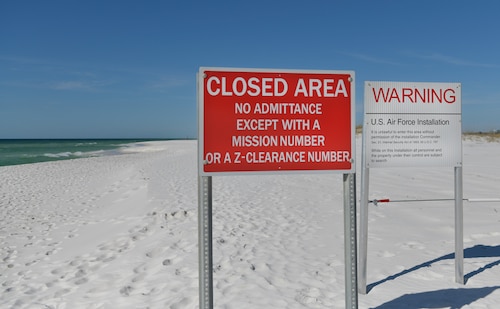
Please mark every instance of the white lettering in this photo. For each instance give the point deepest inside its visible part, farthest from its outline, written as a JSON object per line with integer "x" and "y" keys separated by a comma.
{"x": 256, "y": 124}
{"x": 302, "y": 140}
{"x": 301, "y": 88}
{"x": 316, "y": 125}
{"x": 243, "y": 83}
{"x": 266, "y": 87}
{"x": 341, "y": 89}
{"x": 210, "y": 90}
{"x": 253, "y": 84}
{"x": 239, "y": 86}
{"x": 275, "y": 157}
{"x": 296, "y": 124}
{"x": 288, "y": 108}
{"x": 328, "y": 156}
{"x": 254, "y": 141}
{"x": 320, "y": 88}
{"x": 211, "y": 158}
{"x": 328, "y": 88}
{"x": 242, "y": 108}
{"x": 224, "y": 90}
{"x": 227, "y": 158}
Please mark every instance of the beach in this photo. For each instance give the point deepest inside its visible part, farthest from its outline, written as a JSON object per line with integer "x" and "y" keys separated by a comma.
{"x": 121, "y": 231}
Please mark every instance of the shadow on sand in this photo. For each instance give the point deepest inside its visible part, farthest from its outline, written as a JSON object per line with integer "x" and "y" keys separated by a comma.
{"x": 456, "y": 298}
{"x": 449, "y": 298}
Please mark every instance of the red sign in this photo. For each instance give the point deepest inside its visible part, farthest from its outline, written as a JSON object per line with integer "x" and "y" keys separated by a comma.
{"x": 268, "y": 121}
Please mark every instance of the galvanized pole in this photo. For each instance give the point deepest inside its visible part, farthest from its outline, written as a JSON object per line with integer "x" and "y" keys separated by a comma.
{"x": 459, "y": 226}
{"x": 363, "y": 230}
{"x": 350, "y": 243}
{"x": 205, "y": 258}
{"x": 363, "y": 216}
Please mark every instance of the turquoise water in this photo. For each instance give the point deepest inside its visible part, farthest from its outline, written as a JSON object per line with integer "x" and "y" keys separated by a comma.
{"x": 25, "y": 151}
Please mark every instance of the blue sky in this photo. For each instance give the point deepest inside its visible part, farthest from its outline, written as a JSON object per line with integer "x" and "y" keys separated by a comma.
{"x": 127, "y": 69}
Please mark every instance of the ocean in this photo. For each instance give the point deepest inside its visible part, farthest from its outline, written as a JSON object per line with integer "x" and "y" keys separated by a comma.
{"x": 25, "y": 151}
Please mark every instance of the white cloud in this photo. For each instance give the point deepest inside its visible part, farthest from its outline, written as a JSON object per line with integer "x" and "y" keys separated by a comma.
{"x": 92, "y": 85}
{"x": 452, "y": 60}
{"x": 369, "y": 58}
{"x": 70, "y": 85}
{"x": 168, "y": 83}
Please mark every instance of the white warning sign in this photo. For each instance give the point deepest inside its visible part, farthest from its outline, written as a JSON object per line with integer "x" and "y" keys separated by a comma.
{"x": 412, "y": 124}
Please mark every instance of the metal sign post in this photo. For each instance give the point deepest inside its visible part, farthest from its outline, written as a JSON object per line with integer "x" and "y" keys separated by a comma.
{"x": 205, "y": 242}
{"x": 363, "y": 231}
{"x": 459, "y": 226}
{"x": 351, "y": 268}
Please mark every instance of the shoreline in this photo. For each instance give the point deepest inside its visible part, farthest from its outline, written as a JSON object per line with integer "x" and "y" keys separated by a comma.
{"x": 27, "y": 151}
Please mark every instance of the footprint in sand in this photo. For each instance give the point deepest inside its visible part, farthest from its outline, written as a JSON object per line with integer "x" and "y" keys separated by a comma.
{"x": 126, "y": 290}
{"x": 309, "y": 297}
{"x": 154, "y": 252}
{"x": 385, "y": 254}
{"x": 32, "y": 262}
{"x": 413, "y": 245}
{"x": 179, "y": 214}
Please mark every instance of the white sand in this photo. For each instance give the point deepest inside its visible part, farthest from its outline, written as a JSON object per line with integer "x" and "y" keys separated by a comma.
{"x": 121, "y": 232}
